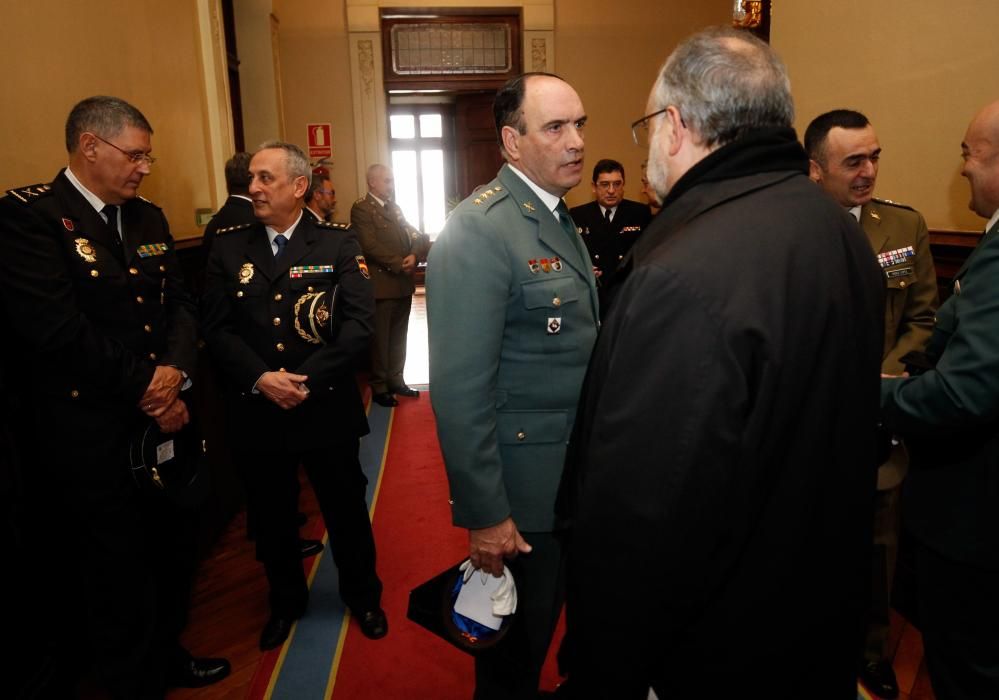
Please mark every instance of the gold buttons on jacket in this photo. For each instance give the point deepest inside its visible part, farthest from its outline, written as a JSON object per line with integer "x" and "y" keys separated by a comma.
{"x": 276, "y": 321}
{"x": 162, "y": 268}
{"x": 521, "y": 436}
{"x": 132, "y": 271}
{"x": 280, "y": 347}
{"x": 94, "y": 273}
{"x": 74, "y": 394}
{"x": 239, "y": 294}
{"x": 139, "y": 300}
{"x": 152, "y": 356}
{"x": 901, "y": 284}
{"x": 147, "y": 328}
{"x": 310, "y": 289}
{"x": 278, "y": 297}
{"x": 556, "y": 302}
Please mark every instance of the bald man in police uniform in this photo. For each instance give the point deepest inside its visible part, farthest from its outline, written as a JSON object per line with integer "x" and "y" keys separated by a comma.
{"x": 512, "y": 308}
{"x": 102, "y": 336}
{"x": 844, "y": 154}
{"x": 293, "y": 398}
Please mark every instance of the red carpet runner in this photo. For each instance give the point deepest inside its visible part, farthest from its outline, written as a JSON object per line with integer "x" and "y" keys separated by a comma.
{"x": 415, "y": 539}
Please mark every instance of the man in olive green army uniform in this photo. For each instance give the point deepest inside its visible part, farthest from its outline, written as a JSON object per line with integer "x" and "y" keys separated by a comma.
{"x": 512, "y": 309}
{"x": 844, "y": 154}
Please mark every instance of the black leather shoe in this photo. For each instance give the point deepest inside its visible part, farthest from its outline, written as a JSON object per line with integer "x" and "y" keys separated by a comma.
{"x": 374, "y": 624}
{"x": 386, "y": 400}
{"x": 310, "y": 548}
{"x": 197, "y": 673}
{"x": 879, "y": 678}
{"x": 276, "y": 631}
{"x": 407, "y": 391}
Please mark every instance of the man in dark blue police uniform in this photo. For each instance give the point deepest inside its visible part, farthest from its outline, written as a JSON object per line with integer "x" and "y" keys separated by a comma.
{"x": 102, "y": 336}
{"x": 292, "y": 392}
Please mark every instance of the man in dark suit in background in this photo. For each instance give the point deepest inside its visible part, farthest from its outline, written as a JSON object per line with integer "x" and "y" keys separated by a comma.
{"x": 728, "y": 493}
{"x": 610, "y": 224}
{"x": 237, "y": 208}
{"x": 844, "y": 154}
{"x": 949, "y": 417}
{"x": 293, "y": 399}
{"x": 320, "y": 200}
{"x": 393, "y": 248}
{"x": 103, "y": 334}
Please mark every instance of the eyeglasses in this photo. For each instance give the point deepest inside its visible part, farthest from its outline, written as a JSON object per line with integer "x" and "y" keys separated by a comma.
{"x": 331, "y": 193}
{"x": 640, "y": 128}
{"x": 609, "y": 185}
{"x": 133, "y": 156}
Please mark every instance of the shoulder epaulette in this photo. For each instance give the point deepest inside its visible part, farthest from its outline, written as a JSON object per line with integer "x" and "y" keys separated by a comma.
{"x": 892, "y": 204}
{"x": 360, "y": 200}
{"x": 230, "y": 229}
{"x": 333, "y": 225}
{"x": 26, "y": 195}
{"x": 487, "y": 197}
{"x": 152, "y": 204}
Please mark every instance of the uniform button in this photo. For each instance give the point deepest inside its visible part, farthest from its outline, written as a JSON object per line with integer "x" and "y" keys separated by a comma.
{"x": 132, "y": 271}
{"x": 162, "y": 268}
{"x": 596, "y": 257}
{"x": 94, "y": 273}
{"x": 74, "y": 394}
{"x": 147, "y": 328}
{"x": 139, "y": 300}
{"x": 152, "y": 356}
{"x": 239, "y": 294}
{"x": 521, "y": 436}
{"x": 278, "y": 297}
{"x": 280, "y": 347}
{"x": 901, "y": 284}
{"x": 282, "y": 369}
{"x": 310, "y": 289}
{"x": 620, "y": 257}
{"x": 276, "y": 321}
{"x": 556, "y": 302}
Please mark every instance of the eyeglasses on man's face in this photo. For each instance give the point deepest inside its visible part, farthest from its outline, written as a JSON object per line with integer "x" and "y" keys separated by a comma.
{"x": 133, "y": 156}
{"x": 640, "y": 128}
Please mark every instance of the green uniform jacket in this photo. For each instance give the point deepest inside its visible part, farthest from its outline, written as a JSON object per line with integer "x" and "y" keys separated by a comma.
{"x": 911, "y": 297}
{"x": 386, "y": 238}
{"x": 950, "y": 419}
{"x": 512, "y": 311}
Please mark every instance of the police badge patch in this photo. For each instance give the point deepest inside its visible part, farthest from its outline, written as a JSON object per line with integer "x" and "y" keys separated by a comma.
{"x": 246, "y": 273}
{"x": 85, "y": 250}
{"x": 362, "y": 266}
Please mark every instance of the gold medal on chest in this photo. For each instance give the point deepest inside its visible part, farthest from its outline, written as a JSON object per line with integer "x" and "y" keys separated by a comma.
{"x": 85, "y": 250}
{"x": 246, "y": 273}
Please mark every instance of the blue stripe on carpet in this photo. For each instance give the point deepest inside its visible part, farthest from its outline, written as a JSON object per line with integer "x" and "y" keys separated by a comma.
{"x": 309, "y": 658}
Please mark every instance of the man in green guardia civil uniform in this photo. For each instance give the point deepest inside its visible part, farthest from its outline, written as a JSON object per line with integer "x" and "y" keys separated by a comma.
{"x": 512, "y": 309}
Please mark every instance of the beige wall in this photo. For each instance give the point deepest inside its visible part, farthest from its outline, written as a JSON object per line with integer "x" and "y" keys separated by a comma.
{"x": 610, "y": 53}
{"x": 60, "y": 52}
{"x": 256, "y": 72}
{"x": 315, "y": 76}
{"x": 918, "y": 70}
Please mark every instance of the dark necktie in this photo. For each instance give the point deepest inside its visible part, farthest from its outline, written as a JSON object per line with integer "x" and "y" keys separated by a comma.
{"x": 111, "y": 212}
{"x": 280, "y": 241}
{"x": 607, "y": 216}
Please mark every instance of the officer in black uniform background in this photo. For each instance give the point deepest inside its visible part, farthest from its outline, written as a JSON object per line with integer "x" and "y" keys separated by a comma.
{"x": 293, "y": 399}
{"x": 610, "y": 224}
{"x": 101, "y": 336}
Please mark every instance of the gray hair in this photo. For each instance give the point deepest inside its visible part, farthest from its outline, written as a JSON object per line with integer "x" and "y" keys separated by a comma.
{"x": 294, "y": 158}
{"x": 725, "y": 82}
{"x": 104, "y": 116}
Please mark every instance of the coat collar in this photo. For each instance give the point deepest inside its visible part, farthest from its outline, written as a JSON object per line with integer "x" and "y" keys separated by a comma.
{"x": 86, "y": 221}
{"x": 258, "y": 249}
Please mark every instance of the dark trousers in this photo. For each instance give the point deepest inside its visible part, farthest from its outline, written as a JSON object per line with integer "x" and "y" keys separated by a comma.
{"x": 388, "y": 343}
{"x": 512, "y": 669}
{"x": 958, "y": 617}
{"x": 885, "y": 555}
{"x": 123, "y": 588}
{"x": 339, "y": 484}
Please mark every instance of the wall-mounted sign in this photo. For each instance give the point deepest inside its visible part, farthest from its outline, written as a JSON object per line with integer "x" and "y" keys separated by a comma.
{"x": 320, "y": 140}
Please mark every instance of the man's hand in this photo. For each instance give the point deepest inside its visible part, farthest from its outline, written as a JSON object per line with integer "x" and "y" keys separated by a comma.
{"x": 488, "y": 546}
{"x": 285, "y": 389}
{"x": 174, "y": 417}
{"x": 597, "y": 272}
{"x": 162, "y": 391}
{"x": 409, "y": 264}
